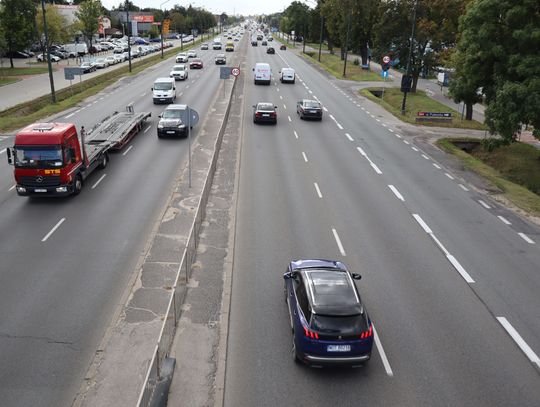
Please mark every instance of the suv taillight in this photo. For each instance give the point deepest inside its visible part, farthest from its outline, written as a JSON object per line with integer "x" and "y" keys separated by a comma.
{"x": 310, "y": 334}
{"x": 367, "y": 334}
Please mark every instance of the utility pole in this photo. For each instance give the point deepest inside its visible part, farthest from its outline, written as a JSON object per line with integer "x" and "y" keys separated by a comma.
{"x": 51, "y": 79}
{"x": 347, "y": 44}
{"x": 320, "y": 40}
{"x": 129, "y": 36}
{"x": 408, "y": 79}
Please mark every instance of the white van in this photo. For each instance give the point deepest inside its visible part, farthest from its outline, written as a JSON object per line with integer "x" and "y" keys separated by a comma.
{"x": 80, "y": 48}
{"x": 262, "y": 73}
{"x": 287, "y": 75}
{"x": 217, "y": 43}
{"x": 164, "y": 90}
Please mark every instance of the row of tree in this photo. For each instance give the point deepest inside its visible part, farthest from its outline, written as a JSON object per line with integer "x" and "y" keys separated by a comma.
{"x": 493, "y": 46}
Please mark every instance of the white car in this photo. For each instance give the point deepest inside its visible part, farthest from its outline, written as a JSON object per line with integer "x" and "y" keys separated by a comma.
{"x": 42, "y": 58}
{"x": 192, "y": 54}
{"x": 119, "y": 58}
{"x": 179, "y": 72}
{"x": 111, "y": 60}
{"x": 182, "y": 57}
{"x": 101, "y": 63}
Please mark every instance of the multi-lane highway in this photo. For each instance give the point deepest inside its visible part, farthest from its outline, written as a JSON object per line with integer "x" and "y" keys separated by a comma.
{"x": 451, "y": 279}
{"x": 65, "y": 263}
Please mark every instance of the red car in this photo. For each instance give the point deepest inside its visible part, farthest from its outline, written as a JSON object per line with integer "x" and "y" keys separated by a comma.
{"x": 196, "y": 63}
{"x": 283, "y": 47}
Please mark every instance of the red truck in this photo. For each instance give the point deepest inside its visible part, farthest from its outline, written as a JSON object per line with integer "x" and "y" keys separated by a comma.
{"x": 53, "y": 159}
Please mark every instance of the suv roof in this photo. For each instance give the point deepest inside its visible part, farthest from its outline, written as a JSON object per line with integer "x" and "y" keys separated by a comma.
{"x": 297, "y": 265}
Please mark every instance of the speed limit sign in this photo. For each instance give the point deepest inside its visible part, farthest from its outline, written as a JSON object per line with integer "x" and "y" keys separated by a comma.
{"x": 235, "y": 71}
{"x": 386, "y": 59}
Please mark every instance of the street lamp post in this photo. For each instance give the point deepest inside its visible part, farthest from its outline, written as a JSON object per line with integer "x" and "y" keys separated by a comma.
{"x": 129, "y": 35}
{"x": 51, "y": 79}
{"x": 347, "y": 44}
{"x": 320, "y": 40}
{"x": 408, "y": 71}
{"x": 162, "y": 21}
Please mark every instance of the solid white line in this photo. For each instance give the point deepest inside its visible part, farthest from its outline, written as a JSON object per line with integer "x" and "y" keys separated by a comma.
{"x": 526, "y": 238}
{"x": 12, "y": 188}
{"x": 127, "y": 150}
{"x": 504, "y": 220}
{"x": 53, "y": 229}
{"x": 415, "y": 149}
{"x": 305, "y": 156}
{"x": 339, "y": 126}
{"x": 377, "y": 170}
{"x": 485, "y": 205}
{"x": 3, "y": 151}
{"x": 295, "y": 134}
{"x": 437, "y": 166}
{"x": 396, "y": 193}
{"x": 460, "y": 269}
{"x": 422, "y": 223}
{"x": 338, "y": 241}
{"x": 318, "y": 190}
{"x": 99, "y": 180}
{"x": 406, "y": 142}
{"x": 289, "y": 118}
{"x": 448, "y": 175}
{"x": 463, "y": 187}
{"x": 382, "y": 354}
{"x": 361, "y": 151}
{"x": 69, "y": 115}
{"x": 349, "y": 137}
{"x": 148, "y": 128}
{"x": 425, "y": 156}
{"x": 446, "y": 253}
{"x": 519, "y": 340}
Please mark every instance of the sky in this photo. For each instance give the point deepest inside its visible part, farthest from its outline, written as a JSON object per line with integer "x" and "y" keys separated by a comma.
{"x": 244, "y": 7}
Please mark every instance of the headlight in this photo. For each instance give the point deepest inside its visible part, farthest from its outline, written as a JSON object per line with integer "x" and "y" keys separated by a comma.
{"x": 181, "y": 126}
{"x": 160, "y": 126}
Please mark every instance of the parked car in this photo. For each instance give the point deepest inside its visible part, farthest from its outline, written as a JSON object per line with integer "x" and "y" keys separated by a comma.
{"x": 118, "y": 49}
{"x": 111, "y": 60}
{"x": 270, "y": 50}
{"x": 330, "y": 325}
{"x": 17, "y": 54}
{"x": 101, "y": 63}
{"x": 220, "y": 59}
{"x": 43, "y": 58}
{"x": 196, "y": 63}
{"x": 59, "y": 54}
{"x": 119, "y": 57}
{"x": 179, "y": 72}
{"x": 264, "y": 112}
{"x": 87, "y": 67}
{"x": 309, "y": 109}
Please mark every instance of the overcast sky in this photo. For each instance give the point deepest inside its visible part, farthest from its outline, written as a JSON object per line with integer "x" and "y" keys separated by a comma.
{"x": 244, "y": 7}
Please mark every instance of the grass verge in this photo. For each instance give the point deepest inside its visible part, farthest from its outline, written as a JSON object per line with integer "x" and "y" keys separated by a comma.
{"x": 29, "y": 112}
{"x": 334, "y": 65}
{"x": 35, "y": 70}
{"x": 7, "y": 81}
{"x": 418, "y": 102}
{"x": 514, "y": 169}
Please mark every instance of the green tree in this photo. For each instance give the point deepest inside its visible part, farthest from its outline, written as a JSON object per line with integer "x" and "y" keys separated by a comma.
{"x": 88, "y": 16}
{"x": 17, "y": 21}
{"x": 58, "y": 30}
{"x": 499, "y": 47}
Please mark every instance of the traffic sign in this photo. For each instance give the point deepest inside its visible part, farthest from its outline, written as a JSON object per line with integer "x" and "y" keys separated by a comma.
{"x": 224, "y": 72}
{"x": 235, "y": 71}
{"x": 386, "y": 59}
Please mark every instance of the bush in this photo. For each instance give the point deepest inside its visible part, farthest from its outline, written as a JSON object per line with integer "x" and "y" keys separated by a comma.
{"x": 356, "y": 61}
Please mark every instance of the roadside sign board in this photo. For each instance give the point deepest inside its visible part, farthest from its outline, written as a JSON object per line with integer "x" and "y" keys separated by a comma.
{"x": 70, "y": 72}
{"x": 434, "y": 114}
{"x": 235, "y": 71}
{"x": 185, "y": 116}
{"x": 386, "y": 59}
{"x": 225, "y": 72}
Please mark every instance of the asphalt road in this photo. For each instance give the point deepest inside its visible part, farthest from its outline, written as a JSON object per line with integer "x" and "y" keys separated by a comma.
{"x": 60, "y": 287}
{"x": 447, "y": 273}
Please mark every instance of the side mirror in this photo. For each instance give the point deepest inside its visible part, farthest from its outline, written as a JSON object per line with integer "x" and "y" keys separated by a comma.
{"x": 160, "y": 116}
{"x": 275, "y": 107}
{"x": 151, "y": 88}
{"x": 253, "y": 69}
{"x": 288, "y": 275}
{"x": 253, "y": 106}
{"x": 11, "y": 156}
{"x": 356, "y": 276}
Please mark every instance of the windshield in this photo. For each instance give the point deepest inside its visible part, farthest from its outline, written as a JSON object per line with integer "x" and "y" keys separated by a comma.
{"x": 171, "y": 114}
{"x": 38, "y": 157}
{"x": 179, "y": 68}
{"x": 265, "y": 106}
{"x": 162, "y": 86}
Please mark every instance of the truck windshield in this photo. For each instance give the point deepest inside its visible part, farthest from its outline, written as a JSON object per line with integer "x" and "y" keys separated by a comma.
{"x": 38, "y": 156}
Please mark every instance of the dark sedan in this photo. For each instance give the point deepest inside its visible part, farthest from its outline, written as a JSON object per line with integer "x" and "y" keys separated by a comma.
{"x": 309, "y": 109}
{"x": 270, "y": 50}
{"x": 220, "y": 59}
{"x": 264, "y": 112}
{"x": 254, "y": 43}
{"x": 196, "y": 63}
{"x": 170, "y": 122}
{"x": 87, "y": 67}
{"x": 329, "y": 323}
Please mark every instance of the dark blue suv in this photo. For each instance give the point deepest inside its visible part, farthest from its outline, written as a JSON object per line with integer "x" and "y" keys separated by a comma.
{"x": 330, "y": 325}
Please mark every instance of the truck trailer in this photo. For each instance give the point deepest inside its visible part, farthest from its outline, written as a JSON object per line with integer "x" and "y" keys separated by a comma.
{"x": 53, "y": 159}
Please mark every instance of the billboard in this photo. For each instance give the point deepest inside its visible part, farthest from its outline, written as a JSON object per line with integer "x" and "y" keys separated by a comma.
{"x": 143, "y": 19}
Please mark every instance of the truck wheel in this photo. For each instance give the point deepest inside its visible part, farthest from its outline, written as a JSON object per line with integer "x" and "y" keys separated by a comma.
{"x": 104, "y": 161}
{"x": 77, "y": 185}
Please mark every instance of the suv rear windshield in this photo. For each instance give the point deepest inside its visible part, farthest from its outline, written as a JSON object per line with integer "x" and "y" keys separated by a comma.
{"x": 312, "y": 105}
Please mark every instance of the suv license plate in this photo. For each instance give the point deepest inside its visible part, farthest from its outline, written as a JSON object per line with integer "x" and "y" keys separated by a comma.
{"x": 338, "y": 348}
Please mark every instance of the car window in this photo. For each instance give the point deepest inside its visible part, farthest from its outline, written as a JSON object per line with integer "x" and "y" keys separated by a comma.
{"x": 265, "y": 106}
{"x": 171, "y": 114}
{"x": 312, "y": 105}
{"x": 301, "y": 296}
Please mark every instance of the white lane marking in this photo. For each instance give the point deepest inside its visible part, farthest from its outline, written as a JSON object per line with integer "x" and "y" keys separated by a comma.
{"x": 289, "y": 118}
{"x": 361, "y": 151}
{"x": 384, "y": 125}
{"x": 148, "y": 128}
{"x": 363, "y": 108}
{"x": 460, "y": 269}
{"x": 526, "y": 238}
{"x": 318, "y": 190}
{"x": 3, "y": 151}
{"x": 398, "y": 135}
{"x": 378, "y": 120}
{"x": 349, "y": 136}
{"x": 127, "y": 150}
{"x": 504, "y": 220}
{"x": 281, "y": 97}
{"x": 406, "y": 142}
{"x": 89, "y": 104}
{"x": 101, "y": 178}
{"x": 69, "y": 115}
{"x": 12, "y": 188}
{"x": 422, "y": 223}
{"x": 53, "y": 229}
{"x": 415, "y": 149}
{"x": 377, "y": 170}
{"x": 305, "y": 156}
{"x": 446, "y": 253}
{"x": 181, "y": 93}
{"x": 519, "y": 340}
{"x": 463, "y": 187}
{"x": 284, "y": 106}
{"x": 193, "y": 81}
{"x": 390, "y": 130}
{"x": 77, "y": 111}
{"x": 143, "y": 94}
{"x": 448, "y": 175}
{"x": 295, "y": 133}
{"x": 485, "y": 205}
{"x": 277, "y": 89}
{"x": 325, "y": 109}
{"x": 382, "y": 354}
{"x": 437, "y": 166}
{"x": 187, "y": 86}
{"x": 333, "y": 118}
{"x": 339, "y": 126}
{"x": 310, "y": 91}
{"x": 396, "y": 193}
{"x": 425, "y": 156}
{"x": 338, "y": 241}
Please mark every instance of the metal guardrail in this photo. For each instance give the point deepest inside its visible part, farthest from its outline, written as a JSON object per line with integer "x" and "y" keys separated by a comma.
{"x": 176, "y": 300}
